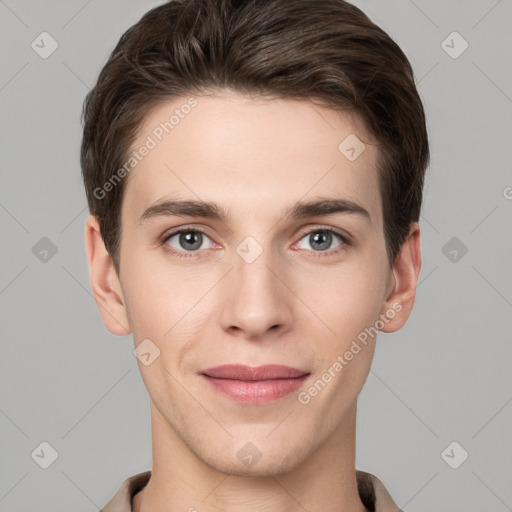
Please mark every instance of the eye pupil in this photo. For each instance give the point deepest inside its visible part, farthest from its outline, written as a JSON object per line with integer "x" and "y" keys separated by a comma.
{"x": 191, "y": 237}
{"x": 323, "y": 238}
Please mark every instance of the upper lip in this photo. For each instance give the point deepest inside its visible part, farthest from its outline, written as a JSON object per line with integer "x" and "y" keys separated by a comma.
{"x": 243, "y": 372}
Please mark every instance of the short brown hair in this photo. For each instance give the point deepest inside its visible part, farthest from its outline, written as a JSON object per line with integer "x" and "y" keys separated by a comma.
{"x": 328, "y": 51}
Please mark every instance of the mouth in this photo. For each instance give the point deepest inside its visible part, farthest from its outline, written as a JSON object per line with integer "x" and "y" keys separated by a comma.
{"x": 254, "y": 385}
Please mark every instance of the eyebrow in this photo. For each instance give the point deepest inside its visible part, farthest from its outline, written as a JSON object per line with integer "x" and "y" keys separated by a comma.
{"x": 206, "y": 209}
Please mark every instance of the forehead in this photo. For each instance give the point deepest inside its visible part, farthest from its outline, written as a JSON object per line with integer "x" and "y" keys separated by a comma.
{"x": 244, "y": 152}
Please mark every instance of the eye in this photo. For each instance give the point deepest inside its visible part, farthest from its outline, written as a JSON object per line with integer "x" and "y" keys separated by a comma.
{"x": 188, "y": 240}
{"x": 321, "y": 240}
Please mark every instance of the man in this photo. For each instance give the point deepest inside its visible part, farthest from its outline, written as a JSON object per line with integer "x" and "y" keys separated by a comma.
{"x": 254, "y": 172}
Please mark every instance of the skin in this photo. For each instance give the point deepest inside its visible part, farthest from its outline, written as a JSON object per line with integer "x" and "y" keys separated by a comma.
{"x": 255, "y": 157}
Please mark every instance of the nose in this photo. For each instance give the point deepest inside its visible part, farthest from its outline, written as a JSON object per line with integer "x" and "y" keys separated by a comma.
{"x": 256, "y": 299}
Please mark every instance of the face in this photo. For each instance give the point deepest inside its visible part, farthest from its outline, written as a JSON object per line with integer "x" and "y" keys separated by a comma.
{"x": 277, "y": 257}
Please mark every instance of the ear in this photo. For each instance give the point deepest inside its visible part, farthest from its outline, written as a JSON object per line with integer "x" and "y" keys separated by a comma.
{"x": 401, "y": 291}
{"x": 105, "y": 281}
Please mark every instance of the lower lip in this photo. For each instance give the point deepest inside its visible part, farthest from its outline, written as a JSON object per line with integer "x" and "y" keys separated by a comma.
{"x": 255, "y": 392}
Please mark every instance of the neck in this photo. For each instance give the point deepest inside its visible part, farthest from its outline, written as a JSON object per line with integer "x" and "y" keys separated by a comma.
{"x": 325, "y": 481}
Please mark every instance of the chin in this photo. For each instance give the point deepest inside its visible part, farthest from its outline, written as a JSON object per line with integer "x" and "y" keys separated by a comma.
{"x": 262, "y": 468}
{"x": 261, "y": 459}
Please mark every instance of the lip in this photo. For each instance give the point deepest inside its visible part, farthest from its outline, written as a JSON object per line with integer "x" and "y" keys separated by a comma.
{"x": 254, "y": 385}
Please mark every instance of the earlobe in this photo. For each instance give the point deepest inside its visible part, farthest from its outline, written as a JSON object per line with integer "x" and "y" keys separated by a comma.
{"x": 402, "y": 289}
{"x": 104, "y": 281}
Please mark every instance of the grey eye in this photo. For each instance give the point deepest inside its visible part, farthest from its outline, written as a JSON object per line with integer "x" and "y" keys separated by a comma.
{"x": 187, "y": 240}
{"x": 321, "y": 240}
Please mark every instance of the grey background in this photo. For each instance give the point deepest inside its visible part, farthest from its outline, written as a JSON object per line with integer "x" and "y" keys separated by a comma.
{"x": 444, "y": 377}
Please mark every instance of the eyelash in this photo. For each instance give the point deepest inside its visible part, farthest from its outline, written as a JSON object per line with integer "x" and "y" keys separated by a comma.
{"x": 316, "y": 254}
{"x": 180, "y": 254}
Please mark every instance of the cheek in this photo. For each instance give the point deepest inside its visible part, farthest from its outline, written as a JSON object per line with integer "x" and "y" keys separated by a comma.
{"x": 148, "y": 296}
{"x": 347, "y": 300}
{"x": 162, "y": 300}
